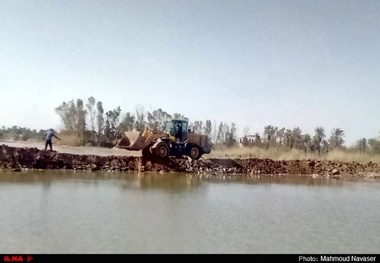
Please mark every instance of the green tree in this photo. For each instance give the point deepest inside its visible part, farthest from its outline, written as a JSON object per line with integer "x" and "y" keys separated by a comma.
{"x": 219, "y": 137}
{"x": 336, "y": 139}
{"x": 297, "y": 138}
{"x": 288, "y": 138}
{"x": 100, "y": 119}
{"x": 198, "y": 127}
{"x": 318, "y": 138}
{"x": 361, "y": 145}
{"x": 280, "y": 134}
{"x": 80, "y": 120}
{"x": 257, "y": 139}
{"x": 140, "y": 118}
{"x": 67, "y": 112}
{"x": 374, "y": 146}
{"x": 325, "y": 146}
{"x": 26, "y": 134}
{"x": 178, "y": 116}
{"x": 245, "y": 142}
{"x": 307, "y": 142}
{"x": 231, "y": 135}
{"x": 111, "y": 124}
{"x": 90, "y": 105}
{"x": 126, "y": 124}
{"x": 208, "y": 130}
{"x": 73, "y": 116}
{"x": 269, "y": 133}
{"x": 226, "y": 133}
{"x": 157, "y": 119}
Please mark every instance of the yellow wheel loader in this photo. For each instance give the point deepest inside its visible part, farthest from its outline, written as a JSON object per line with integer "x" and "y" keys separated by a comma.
{"x": 176, "y": 140}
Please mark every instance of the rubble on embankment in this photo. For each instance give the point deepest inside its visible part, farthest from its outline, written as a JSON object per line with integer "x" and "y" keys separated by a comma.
{"x": 32, "y": 158}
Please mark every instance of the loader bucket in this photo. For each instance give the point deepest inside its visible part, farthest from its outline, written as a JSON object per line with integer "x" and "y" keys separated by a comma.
{"x": 132, "y": 140}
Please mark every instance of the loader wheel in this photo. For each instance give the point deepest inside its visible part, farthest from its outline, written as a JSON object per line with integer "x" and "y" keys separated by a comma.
{"x": 162, "y": 150}
{"x": 194, "y": 152}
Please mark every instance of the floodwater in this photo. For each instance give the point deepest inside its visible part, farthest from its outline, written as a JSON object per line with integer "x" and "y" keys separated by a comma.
{"x": 95, "y": 212}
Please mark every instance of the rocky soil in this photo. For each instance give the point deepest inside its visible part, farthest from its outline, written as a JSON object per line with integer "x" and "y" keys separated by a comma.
{"x": 17, "y": 158}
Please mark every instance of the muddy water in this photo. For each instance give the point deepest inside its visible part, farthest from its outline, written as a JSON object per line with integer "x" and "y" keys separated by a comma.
{"x": 83, "y": 212}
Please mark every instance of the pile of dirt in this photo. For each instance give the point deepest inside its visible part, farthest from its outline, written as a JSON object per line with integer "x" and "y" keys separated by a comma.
{"x": 21, "y": 158}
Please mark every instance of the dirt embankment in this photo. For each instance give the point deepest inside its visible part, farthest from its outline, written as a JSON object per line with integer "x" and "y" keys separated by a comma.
{"x": 20, "y": 158}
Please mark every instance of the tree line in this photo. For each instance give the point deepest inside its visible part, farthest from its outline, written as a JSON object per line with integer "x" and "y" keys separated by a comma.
{"x": 20, "y": 133}
{"x": 320, "y": 142}
{"x": 92, "y": 124}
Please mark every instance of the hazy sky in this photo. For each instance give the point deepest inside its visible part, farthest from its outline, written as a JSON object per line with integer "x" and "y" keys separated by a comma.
{"x": 286, "y": 63}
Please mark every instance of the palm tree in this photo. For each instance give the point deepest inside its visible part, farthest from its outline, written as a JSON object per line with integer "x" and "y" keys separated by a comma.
{"x": 289, "y": 138}
{"x": 325, "y": 146}
{"x": 280, "y": 135}
{"x": 297, "y": 137}
{"x": 274, "y": 135}
{"x": 374, "y": 145}
{"x": 269, "y": 132}
{"x": 306, "y": 138}
{"x": 336, "y": 138}
{"x": 362, "y": 145}
{"x": 306, "y": 142}
{"x": 318, "y": 137}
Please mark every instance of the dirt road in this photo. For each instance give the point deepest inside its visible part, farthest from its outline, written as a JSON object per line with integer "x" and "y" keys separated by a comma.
{"x": 73, "y": 149}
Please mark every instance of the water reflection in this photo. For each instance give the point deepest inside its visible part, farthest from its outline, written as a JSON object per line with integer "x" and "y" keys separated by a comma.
{"x": 100, "y": 212}
{"x": 292, "y": 180}
{"x": 171, "y": 182}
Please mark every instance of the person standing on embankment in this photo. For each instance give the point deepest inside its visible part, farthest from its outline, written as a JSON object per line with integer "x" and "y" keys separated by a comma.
{"x": 48, "y": 136}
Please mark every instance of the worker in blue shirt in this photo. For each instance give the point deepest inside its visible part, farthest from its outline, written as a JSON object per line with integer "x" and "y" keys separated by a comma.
{"x": 48, "y": 136}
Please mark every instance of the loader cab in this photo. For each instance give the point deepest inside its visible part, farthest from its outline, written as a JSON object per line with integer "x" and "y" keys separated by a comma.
{"x": 178, "y": 128}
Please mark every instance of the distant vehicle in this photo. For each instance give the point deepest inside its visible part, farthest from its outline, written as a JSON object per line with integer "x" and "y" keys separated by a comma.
{"x": 175, "y": 140}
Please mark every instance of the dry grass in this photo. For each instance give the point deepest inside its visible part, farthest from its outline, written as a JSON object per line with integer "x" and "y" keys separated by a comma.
{"x": 281, "y": 154}
{"x": 68, "y": 139}
{"x": 349, "y": 156}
